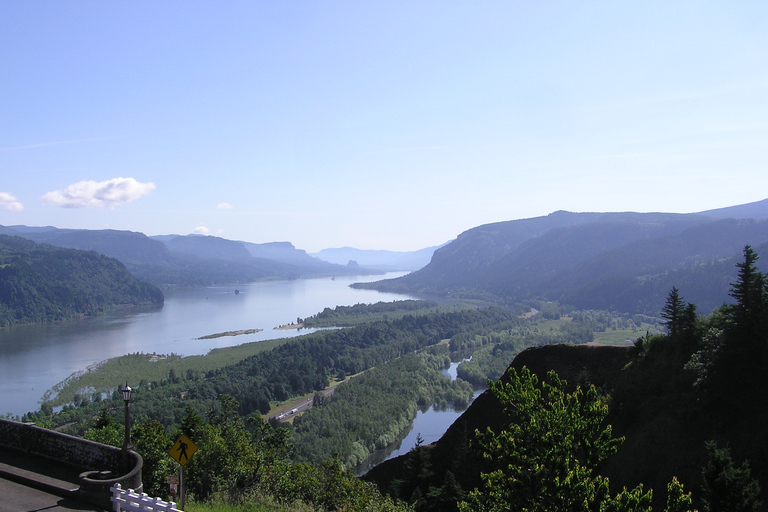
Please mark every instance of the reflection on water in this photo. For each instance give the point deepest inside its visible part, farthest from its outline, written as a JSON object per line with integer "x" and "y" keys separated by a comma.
{"x": 430, "y": 425}
{"x": 35, "y": 358}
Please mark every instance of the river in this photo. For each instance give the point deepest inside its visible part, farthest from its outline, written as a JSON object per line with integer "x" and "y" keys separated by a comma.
{"x": 35, "y": 358}
{"x": 429, "y": 424}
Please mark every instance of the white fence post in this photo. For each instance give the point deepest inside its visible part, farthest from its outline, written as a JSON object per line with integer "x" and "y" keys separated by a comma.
{"x": 130, "y": 501}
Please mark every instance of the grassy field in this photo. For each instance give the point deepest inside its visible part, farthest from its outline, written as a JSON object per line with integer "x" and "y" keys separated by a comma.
{"x": 134, "y": 368}
{"x": 617, "y": 337}
{"x": 107, "y": 375}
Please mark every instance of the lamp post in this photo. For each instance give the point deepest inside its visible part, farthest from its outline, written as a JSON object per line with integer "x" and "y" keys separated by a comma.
{"x": 126, "y": 391}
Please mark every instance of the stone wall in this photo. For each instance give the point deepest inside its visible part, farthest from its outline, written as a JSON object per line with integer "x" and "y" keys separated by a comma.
{"x": 101, "y": 465}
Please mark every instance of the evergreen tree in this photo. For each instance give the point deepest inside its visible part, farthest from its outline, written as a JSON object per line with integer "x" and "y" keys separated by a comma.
{"x": 728, "y": 488}
{"x": 673, "y": 312}
{"x": 749, "y": 292}
{"x": 546, "y": 457}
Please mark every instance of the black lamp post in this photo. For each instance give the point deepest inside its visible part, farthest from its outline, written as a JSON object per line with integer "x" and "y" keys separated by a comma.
{"x": 126, "y": 391}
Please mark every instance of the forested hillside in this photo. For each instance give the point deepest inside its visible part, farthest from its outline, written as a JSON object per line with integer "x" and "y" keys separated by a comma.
{"x": 688, "y": 404}
{"x": 40, "y": 283}
{"x": 613, "y": 261}
{"x": 383, "y": 371}
{"x": 187, "y": 261}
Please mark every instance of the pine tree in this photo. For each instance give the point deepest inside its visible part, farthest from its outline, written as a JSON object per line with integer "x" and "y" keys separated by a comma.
{"x": 728, "y": 488}
{"x": 673, "y": 311}
{"x": 749, "y": 292}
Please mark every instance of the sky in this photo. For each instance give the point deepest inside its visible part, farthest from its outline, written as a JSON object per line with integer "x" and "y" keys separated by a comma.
{"x": 377, "y": 125}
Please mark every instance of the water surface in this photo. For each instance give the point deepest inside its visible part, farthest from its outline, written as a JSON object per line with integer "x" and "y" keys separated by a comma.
{"x": 35, "y": 358}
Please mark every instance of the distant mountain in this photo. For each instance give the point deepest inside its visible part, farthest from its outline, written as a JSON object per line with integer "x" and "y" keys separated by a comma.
{"x": 756, "y": 210}
{"x": 287, "y": 253}
{"x": 126, "y": 246}
{"x": 40, "y": 283}
{"x": 188, "y": 261}
{"x": 619, "y": 261}
{"x": 207, "y": 248}
{"x": 381, "y": 260}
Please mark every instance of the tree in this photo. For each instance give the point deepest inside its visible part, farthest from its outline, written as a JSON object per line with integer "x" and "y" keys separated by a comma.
{"x": 749, "y": 292}
{"x": 545, "y": 458}
{"x": 226, "y": 461}
{"x": 679, "y": 316}
{"x": 672, "y": 312}
{"x": 192, "y": 423}
{"x": 153, "y": 444}
{"x": 727, "y": 487}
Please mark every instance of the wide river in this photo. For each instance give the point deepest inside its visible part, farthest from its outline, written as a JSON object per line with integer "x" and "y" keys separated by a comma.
{"x": 35, "y": 358}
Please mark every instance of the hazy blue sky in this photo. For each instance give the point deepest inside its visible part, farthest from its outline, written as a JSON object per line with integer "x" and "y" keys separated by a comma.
{"x": 379, "y": 125}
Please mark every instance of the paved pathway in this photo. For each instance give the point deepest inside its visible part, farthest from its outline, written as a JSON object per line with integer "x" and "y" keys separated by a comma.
{"x": 18, "y": 497}
{"x": 29, "y": 483}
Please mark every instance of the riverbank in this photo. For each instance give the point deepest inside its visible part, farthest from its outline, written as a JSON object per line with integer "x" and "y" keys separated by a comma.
{"x": 229, "y": 333}
{"x": 288, "y": 327}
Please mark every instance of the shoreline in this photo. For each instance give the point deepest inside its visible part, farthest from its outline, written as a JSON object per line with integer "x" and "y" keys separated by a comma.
{"x": 288, "y": 327}
{"x": 229, "y": 333}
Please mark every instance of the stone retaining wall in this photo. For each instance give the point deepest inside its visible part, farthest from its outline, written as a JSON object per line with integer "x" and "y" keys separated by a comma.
{"x": 102, "y": 465}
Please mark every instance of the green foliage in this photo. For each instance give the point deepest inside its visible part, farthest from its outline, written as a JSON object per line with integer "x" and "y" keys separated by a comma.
{"x": 327, "y": 486}
{"x": 728, "y": 488}
{"x": 749, "y": 292}
{"x": 40, "y": 283}
{"x": 545, "y": 459}
{"x": 111, "y": 434}
{"x": 677, "y": 499}
{"x": 151, "y": 442}
{"x": 348, "y": 316}
{"x": 252, "y": 504}
{"x": 493, "y": 350}
{"x": 151, "y": 368}
{"x": 236, "y": 468}
{"x": 679, "y": 316}
{"x": 370, "y": 411}
{"x": 733, "y": 355}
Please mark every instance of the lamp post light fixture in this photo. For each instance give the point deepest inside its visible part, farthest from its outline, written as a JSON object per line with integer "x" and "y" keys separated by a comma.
{"x": 126, "y": 391}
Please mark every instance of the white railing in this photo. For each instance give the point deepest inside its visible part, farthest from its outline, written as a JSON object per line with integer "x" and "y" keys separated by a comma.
{"x": 127, "y": 499}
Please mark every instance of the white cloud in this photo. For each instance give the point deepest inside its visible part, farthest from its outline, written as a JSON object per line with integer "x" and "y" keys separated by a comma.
{"x": 201, "y": 230}
{"x": 8, "y": 202}
{"x": 102, "y": 194}
{"x": 224, "y": 206}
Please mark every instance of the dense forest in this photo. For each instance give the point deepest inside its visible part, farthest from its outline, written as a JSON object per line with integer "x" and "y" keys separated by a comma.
{"x": 40, "y": 283}
{"x": 692, "y": 394}
{"x": 297, "y": 367}
{"x": 685, "y": 408}
{"x": 186, "y": 261}
{"x": 396, "y": 364}
{"x": 611, "y": 261}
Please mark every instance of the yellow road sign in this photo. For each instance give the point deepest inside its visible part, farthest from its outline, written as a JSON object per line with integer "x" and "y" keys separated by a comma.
{"x": 182, "y": 450}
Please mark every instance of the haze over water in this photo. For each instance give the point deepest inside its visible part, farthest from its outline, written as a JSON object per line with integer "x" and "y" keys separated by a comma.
{"x": 35, "y": 358}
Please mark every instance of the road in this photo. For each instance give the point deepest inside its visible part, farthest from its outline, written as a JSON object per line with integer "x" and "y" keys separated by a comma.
{"x": 20, "y": 498}
{"x": 290, "y": 411}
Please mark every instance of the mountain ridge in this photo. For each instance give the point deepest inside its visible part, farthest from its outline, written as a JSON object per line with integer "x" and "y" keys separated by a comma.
{"x": 598, "y": 254}
{"x": 189, "y": 261}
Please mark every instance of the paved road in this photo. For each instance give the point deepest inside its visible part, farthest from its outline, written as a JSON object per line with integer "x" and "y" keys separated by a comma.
{"x": 287, "y": 412}
{"x": 20, "y": 498}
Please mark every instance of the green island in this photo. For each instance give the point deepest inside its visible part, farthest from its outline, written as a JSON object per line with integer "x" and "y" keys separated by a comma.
{"x": 229, "y": 333}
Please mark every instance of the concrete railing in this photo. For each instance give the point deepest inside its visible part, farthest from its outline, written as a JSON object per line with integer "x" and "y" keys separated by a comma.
{"x": 103, "y": 466}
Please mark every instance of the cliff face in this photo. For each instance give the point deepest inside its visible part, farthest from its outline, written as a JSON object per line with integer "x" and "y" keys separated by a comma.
{"x": 598, "y": 365}
{"x": 653, "y": 404}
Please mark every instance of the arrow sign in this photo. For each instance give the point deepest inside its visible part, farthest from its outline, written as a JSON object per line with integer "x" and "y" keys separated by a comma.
{"x": 182, "y": 450}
